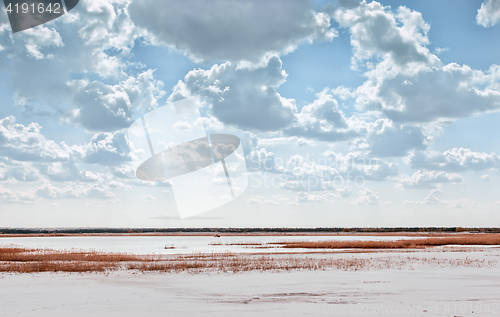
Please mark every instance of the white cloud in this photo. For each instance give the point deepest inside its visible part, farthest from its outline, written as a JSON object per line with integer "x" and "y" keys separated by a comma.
{"x": 124, "y": 171}
{"x": 67, "y": 172}
{"x": 263, "y": 161}
{"x": 274, "y": 200}
{"x": 354, "y": 165}
{"x": 49, "y": 191}
{"x": 19, "y": 171}
{"x": 431, "y": 199}
{"x": 344, "y": 192}
{"x": 376, "y": 31}
{"x": 428, "y": 179}
{"x": 148, "y": 198}
{"x": 36, "y": 39}
{"x": 95, "y": 41}
{"x": 26, "y": 143}
{"x": 451, "y": 91}
{"x": 106, "y": 149}
{"x": 307, "y": 197}
{"x": 101, "y": 107}
{"x": 243, "y": 97}
{"x": 306, "y": 175}
{"x": 181, "y": 126}
{"x": 322, "y": 120}
{"x": 231, "y": 30}
{"x": 367, "y": 197}
{"x": 386, "y": 138}
{"x": 404, "y": 80}
{"x": 489, "y": 13}
{"x": 285, "y": 141}
{"x": 8, "y": 196}
{"x": 455, "y": 160}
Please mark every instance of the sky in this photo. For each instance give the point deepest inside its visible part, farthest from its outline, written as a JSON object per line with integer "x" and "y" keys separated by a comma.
{"x": 350, "y": 114}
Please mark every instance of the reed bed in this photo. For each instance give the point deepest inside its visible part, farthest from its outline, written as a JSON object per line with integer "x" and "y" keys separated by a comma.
{"x": 480, "y": 239}
{"x": 242, "y": 243}
{"x": 21, "y": 260}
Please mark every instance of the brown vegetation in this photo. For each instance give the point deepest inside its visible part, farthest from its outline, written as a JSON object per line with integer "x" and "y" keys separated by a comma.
{"x": 237, "y": 243}
{"x": 22, "y": 260}
{"x": 14, "y": 259}
{"x": 476, "y": 239}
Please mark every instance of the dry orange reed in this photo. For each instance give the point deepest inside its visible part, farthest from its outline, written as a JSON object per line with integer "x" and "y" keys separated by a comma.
{"x": 479, "y": 239}
{"x": 24, "y": 260}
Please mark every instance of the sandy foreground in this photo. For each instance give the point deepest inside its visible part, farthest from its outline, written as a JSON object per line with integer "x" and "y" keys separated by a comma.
{"x": 423, "y": 283}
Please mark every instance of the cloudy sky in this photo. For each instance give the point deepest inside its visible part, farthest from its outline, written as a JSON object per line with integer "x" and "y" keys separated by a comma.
{"x": 349, "y": 113}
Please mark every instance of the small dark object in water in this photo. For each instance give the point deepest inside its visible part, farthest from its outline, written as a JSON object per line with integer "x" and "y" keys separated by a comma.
{"x": 217, "y": 235}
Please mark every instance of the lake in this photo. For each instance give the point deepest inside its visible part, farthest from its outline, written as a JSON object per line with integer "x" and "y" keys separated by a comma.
{"x": 178, "y": 244}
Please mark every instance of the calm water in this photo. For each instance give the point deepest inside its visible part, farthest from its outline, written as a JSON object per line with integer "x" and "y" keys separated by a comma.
{"x": 181, "y": 244}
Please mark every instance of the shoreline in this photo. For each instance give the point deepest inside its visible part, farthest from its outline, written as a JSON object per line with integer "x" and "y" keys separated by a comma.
{"x": 252, "y": 234}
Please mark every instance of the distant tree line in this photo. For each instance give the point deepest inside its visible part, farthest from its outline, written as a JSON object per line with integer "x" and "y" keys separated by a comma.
{"x": 239, "y": 230}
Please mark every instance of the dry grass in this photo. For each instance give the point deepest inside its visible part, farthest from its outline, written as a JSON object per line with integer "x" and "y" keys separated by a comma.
{"x": 22, "y": 260}
{"x": 242, "y": 243}
{"x": 480, "y": 239}
{"x": 15, "y": 259}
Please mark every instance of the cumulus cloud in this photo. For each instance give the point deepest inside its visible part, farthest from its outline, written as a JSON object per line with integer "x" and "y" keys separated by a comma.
{"x": 94, "y": 40}
{"x": 344, "y": 192}
{"x": 405, "y": 81}
{"x": 263, "y": 161}
{"x": 307, "y": 197}
{"x": 454, "y": 160}
{"x": 330, "y": 172}
{"x": 334, "y": 171}
{"x": 8, "y": 196}
{"x": 26, "y": 143}
{"x": 376, "y": 31}
{"x": 356, "y": 165}
{"x": 106, "y": 148}
{"x": 66, "y": 172}
{"x": 36, "y": 39}
{"x": 367, "y": 197}
{"x": 306, "y": 175}
{"x": 486, "y": 178}
{"x": 231, "y": 30}
{"x": 101, "y": 107}
{"x": 431, "y": 199}
{"x": 49, "y": 191}
{"x": 243, "y": 97}
{"x": 274, "y": 200}
{"x": 19, "y": 171}
{"x": 322, "y": 120}
{"x": 449, "y": 92}
{"x": 285, "y": 141}
{"x": 428, "y": 179}
{"x": 489, "y": 13}
{"x": 386, "y": 138}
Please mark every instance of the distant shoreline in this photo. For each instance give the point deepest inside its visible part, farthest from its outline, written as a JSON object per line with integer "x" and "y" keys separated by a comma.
{"x": 32, "y": 232}
{"x": 253, "y": 234}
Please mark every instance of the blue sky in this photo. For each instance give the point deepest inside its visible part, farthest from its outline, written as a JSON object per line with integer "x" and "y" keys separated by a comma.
{"x": 350, "y": 113}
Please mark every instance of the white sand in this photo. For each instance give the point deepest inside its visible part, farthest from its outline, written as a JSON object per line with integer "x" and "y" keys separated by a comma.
{"x": 416, "y": 290}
